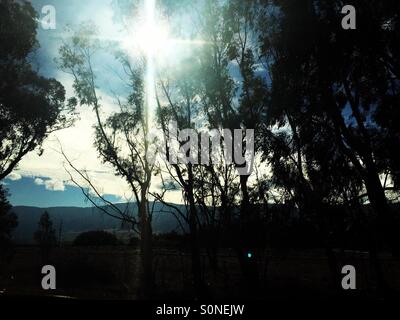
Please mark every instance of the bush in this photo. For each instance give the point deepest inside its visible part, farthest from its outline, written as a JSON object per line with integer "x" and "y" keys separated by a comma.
{"x": 8, "y": 221}
{"x": 134, "y": 242}
{"x": 45, "y": 235}
{"x": 95, "y": 238}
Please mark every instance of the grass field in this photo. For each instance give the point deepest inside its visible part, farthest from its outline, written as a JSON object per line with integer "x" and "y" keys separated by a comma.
{"x": 112, "y": 273}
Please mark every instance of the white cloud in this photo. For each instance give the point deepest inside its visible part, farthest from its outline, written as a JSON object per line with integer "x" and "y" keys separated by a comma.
{"x": 39, "y": 181}
{"x": 54, "y": 185}
{"x": 77, "y": 141}
{"x": 51, "y": 184}
{"x": 14, "y": 176}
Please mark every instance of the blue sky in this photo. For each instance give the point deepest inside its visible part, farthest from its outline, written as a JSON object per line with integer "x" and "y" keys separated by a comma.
{"x": 26, "y": 192}
{"x": 41, "y": 180}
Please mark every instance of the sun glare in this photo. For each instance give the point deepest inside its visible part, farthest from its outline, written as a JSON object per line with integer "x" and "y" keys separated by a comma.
{"x": 148, "y": 38}
{"x": 152, "y": 39}
{"x": 149, "y": 34}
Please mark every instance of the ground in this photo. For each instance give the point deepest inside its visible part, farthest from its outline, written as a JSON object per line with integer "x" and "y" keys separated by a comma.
{"x": 112, "y": 273}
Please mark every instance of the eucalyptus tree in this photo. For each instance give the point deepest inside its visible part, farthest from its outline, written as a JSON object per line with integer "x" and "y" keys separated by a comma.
{"x": 31, "y": 106}
{"x": 338, "y": 76}
{"x": 121, "y": 137}
{"x": 8, "y": 221}
{"x": 45, "y": 236}
{"x": 334, "y": 91}
{"x": 177, "y": 99}
{"x": 232, "y": 94}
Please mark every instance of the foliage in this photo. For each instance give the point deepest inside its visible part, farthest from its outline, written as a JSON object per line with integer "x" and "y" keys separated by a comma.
{"x": 31, "y": 106}
{"x": 8, "y": 221}
{"x": 45, "y": 235}
{"x": 96, "y": 238}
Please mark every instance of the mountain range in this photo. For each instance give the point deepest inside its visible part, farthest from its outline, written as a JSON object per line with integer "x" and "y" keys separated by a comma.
{"x": 70, "y": 221}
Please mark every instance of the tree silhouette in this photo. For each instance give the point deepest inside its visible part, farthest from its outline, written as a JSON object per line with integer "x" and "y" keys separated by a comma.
{"x": 31, "y": 106}
{"x": 45, "y": 235}
{"x": 232, "y": 97}
{"x": 96, "y": 238}
{"x": 323, "y": 104}
{"x": 331, "y": 87}
{"x": 122, "y": 139}
{"x": 8, "y": 221}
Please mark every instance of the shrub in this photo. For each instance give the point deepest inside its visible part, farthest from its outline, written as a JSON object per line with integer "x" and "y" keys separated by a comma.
{"x": 8, "y": 221}
{"x": 95, "y": 238}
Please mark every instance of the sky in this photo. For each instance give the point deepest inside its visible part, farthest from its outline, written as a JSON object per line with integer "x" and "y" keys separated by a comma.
{"x": 42, "y": 180}
{"x": 46, "y": 192}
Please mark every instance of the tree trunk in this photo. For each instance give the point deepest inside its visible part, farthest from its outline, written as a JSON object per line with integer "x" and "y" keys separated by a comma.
{"x": 146, "y": 250}
{"x": 194, "y": 242}
{"x": 248, "y": 264}
{"x": 334, "y": 268}
{"x": 386, "y": 222}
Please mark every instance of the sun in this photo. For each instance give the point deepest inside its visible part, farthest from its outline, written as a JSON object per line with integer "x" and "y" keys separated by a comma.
{"x": 148, "y": 38}
{"x": 149, "y": 34}
{"x": 153, "y": 39}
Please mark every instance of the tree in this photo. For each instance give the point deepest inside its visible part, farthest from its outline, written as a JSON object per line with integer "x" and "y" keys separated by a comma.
{"x": 182, "y": 106}
{"x": 45, "y": 235}
{"x": 122, "y": 138}
{"x": 95, "y": 238}
{"x": 31, "y": 106}
{"x": 232, "y": 97}
{"x": 205, "y": 94}
{"x": 333, "y": 90}
{"x": 8, "y": 221}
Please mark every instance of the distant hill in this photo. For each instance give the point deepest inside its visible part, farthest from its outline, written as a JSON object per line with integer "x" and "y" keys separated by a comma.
{"x": 76, "y": 220}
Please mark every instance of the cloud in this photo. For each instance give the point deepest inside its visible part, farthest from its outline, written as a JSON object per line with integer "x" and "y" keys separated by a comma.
{"x": 39, "y": 181}
{"x": 77, "y": 141}
{"x": 54, "y": 185}
{"x": 14, "y": 176}
{"x": 51, "y": 184}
